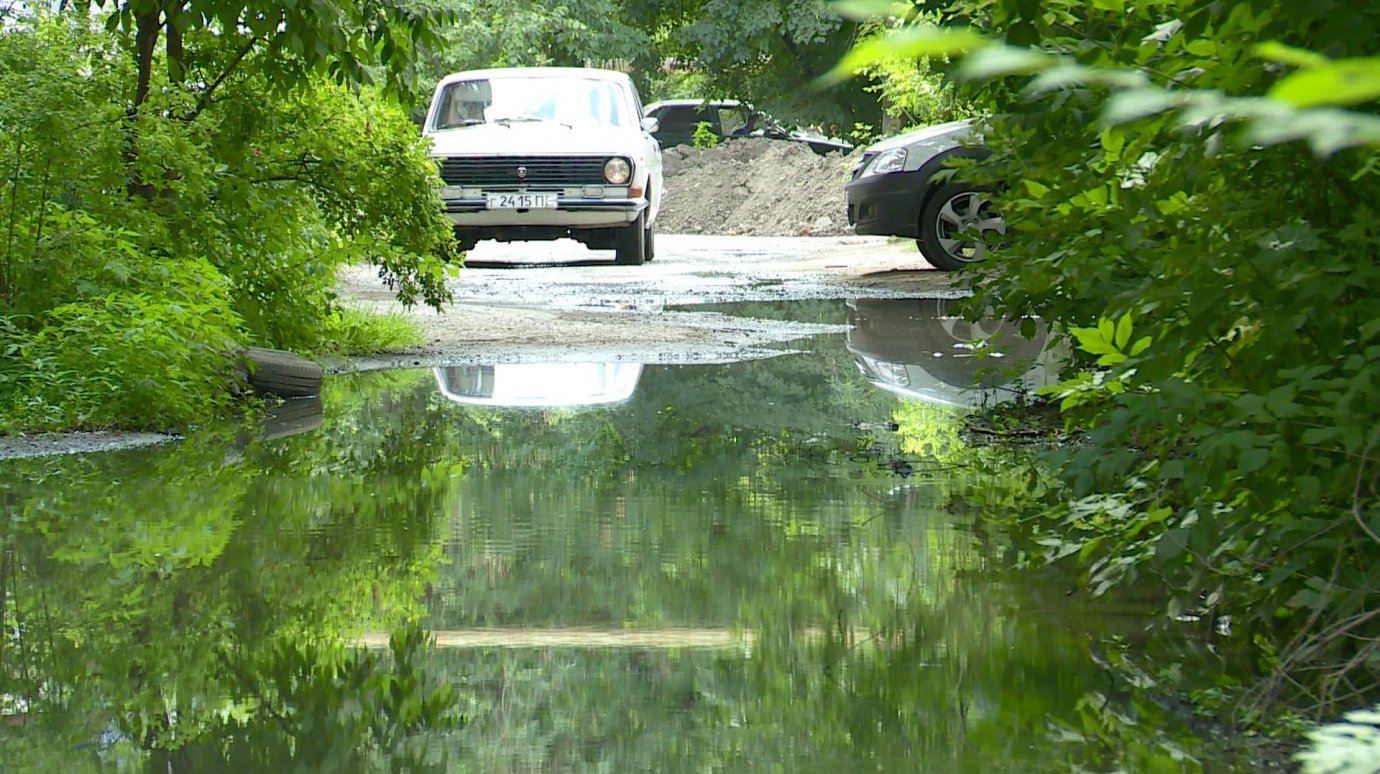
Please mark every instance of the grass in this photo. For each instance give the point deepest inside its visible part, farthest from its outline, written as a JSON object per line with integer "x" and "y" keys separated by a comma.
{"x": 354, "y": 331}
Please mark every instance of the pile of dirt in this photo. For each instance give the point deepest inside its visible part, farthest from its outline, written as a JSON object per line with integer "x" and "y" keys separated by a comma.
{"x": 754, "y": 187}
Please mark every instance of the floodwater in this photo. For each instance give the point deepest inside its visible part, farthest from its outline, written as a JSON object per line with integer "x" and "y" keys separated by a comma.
{"x": 624, "y": 567}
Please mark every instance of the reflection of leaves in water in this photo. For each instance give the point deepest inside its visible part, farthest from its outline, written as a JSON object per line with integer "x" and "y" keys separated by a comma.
{"x": 130, "y": 576}
{"x": 708, "y": 500}
{"x": 326, "y": 708}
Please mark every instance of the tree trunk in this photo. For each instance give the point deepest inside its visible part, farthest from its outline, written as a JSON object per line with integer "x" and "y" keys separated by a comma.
{"x": 146, "y": 26}
{"x": 176, "y": 71}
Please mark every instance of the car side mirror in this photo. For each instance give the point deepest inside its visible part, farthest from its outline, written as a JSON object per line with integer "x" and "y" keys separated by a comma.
{"x": 651, "y": 125}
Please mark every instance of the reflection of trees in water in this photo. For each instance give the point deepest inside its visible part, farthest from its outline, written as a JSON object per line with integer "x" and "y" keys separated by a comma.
{"x": 868, "y": 636}
{"x": 163, "y": 599}
{"x": 194, "y": 606}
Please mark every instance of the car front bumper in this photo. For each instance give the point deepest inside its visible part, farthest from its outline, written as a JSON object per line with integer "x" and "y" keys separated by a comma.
{"x": 569, "y": 213}
{"x": 887, "y": 205}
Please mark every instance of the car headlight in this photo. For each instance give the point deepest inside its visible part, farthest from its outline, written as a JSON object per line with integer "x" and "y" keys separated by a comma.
{"x": 893, "y": 160}
{"x": 617, "y": 171}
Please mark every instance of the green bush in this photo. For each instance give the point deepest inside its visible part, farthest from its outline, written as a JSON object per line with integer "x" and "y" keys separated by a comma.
{"x": 140, "y": 248}
{"x": 1223, "y": 289}
{"x": 1189, "y": 204}
{"x": 704, "y": 136}
{"x": 157, "y": 360}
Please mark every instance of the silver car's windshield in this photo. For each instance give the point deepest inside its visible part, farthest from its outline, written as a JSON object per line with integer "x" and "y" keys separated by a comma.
{"x": 570, "y": 101}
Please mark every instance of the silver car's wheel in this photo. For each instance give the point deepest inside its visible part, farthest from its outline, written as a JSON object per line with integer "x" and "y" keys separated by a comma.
{"x": 957, "y": 226}
{"x": 630, "y": 243}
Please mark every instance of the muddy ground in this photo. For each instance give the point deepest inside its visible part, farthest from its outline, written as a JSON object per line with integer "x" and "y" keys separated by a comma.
{"x": 558, "y": 301}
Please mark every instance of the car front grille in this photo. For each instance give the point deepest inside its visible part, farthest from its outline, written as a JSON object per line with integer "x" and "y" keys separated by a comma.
{"x": 490, "y": 171}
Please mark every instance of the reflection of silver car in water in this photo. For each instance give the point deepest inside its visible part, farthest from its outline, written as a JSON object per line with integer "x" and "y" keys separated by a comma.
{"x": 539, "y": 385}
{"x": 922, "y": 348}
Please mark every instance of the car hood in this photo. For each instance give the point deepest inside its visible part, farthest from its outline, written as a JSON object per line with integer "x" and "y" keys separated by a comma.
{"x": 815, "y": 137}
{"x": 954, "y": 130}
{"x": 535, "y": 138}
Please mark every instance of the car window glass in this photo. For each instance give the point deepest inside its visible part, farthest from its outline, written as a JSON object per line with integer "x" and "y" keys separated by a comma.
{"x": 678, "y": 118}
{"x": 572, "y": 101}
{"x": 734, "y": 120}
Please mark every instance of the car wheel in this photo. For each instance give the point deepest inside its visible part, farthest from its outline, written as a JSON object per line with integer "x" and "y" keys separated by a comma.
{"x": 463, "y": 244}
{"x": 650, "y": 242}
{"x": 956, "y": 225}
{"x": 630, "y": 243}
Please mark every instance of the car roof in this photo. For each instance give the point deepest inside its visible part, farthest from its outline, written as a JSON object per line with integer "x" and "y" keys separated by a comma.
{"x": 538, "y": 72}
{"x": 694, "y": 103}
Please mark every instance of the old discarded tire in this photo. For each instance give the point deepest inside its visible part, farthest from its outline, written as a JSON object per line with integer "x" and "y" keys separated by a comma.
{"x": 292, "y": 416}
{"x": 277, "y": 372}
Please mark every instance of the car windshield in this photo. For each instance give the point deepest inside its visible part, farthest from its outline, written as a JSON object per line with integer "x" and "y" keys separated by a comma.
{"x": 570, "y": 101}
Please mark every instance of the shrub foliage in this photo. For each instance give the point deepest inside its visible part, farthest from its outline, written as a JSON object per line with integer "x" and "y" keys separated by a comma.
{"x": 1188, "y": 203}
{"x": 147, "y": 231}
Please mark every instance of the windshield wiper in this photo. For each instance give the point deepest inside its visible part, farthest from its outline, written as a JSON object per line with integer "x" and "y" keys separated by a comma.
{"x": 527, "y": 119}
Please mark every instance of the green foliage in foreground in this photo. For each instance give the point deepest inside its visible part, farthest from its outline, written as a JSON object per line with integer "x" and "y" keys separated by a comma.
{"x": 139, "y": 248}
{"x": 913, "y": 92}
{"x": 1351, "y": 746}
{"x": 1221, "y": 281}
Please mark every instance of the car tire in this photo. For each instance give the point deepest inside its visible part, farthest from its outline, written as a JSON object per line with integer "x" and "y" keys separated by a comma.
{"x": 463, "y": 244}
{"x": 950, "y": 211}
{"x": 630, "y": 242}
{"x": 293, "y": 416}
{"x": 649, "y": 243}
{"x": 282, "y": 373}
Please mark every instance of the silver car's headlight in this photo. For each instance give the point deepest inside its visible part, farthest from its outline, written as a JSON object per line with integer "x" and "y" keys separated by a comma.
{"x": 617, "y": 171}
{"x": 893, "y": 160}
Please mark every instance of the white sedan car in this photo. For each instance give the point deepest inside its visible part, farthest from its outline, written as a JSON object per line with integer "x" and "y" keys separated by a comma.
{"x": 535, "y": 153}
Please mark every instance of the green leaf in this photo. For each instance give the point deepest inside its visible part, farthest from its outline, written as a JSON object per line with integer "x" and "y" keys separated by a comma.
{"x": 1092, "y": 340}
{"x": 1134, "y": 104}
{"x": 1107, "y": 329}
{"x": 1319, "y": 435}
{"x": 994, "y": 61}
{"x": 1171, "y": 544}
{"x": 1253, "y": 459}
{"x": 1113, "y": 140}
{"x": 1343, "y": 82}
{"x": 1123, "y": 332}
{"x": 1298, "y": 57}
{"x": 906, "y": 43}
{"x": 864, "y": 10}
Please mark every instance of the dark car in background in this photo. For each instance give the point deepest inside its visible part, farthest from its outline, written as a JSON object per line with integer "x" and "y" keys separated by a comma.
{"x": 727, "y": 118}
{"x": 894, "y": 191}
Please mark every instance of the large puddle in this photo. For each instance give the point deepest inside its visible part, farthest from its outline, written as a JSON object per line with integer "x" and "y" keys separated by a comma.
{"x": 742, "y": 567}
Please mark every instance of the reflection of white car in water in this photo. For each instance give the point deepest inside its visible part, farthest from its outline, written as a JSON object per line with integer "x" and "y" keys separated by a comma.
{"x": 539, "y": 385}
{"x": 923, "y": 349}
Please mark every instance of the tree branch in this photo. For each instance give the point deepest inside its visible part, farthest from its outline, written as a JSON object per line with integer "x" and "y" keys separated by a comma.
{"x": 205, "y": 100}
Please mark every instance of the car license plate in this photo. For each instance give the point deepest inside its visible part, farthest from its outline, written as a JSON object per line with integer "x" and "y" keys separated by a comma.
{"x": 521, "y": 201}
